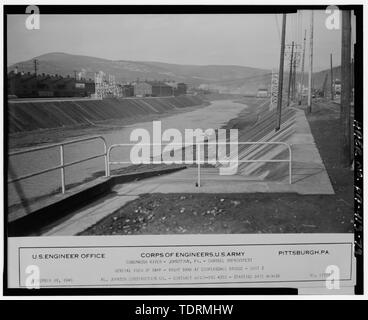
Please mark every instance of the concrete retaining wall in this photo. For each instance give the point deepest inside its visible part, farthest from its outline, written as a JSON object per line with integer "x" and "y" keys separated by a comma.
{"x": 264, "y": 131}
{"x": 29, "y": 116}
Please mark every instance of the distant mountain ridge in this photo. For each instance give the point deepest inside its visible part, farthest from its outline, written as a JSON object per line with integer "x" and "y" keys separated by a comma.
{"x": 226, "y": 78}
{"x": 65, "y": 64}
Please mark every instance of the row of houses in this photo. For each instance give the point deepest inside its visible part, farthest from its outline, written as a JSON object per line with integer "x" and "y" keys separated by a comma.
{"x": 159, "y": 88}
{"x": 29, "y": 85}
{"x": 140, "y": 89}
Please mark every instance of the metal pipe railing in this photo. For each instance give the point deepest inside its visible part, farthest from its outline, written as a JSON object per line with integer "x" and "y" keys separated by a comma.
{"x": 199, "y": 161}
{"x": 62, "y": 165}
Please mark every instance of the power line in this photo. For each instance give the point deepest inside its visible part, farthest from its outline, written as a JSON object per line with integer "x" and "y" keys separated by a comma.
{"x": 277, "y": 26}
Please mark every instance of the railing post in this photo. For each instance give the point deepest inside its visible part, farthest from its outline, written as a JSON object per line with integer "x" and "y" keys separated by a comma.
{"x": 106, "y": 159}
{"x": 290, "y": 161}
{"x": 199, "y": 165}
{"x": 62, "y": 162}
{"x": 62, "y": 169}
{"x": 108, "y": 162}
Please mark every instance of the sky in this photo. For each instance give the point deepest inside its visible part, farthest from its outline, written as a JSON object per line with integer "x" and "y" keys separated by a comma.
{"x": 251, "y": 40}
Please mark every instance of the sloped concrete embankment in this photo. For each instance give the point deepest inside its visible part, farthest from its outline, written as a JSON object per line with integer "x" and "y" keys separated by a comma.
{"x": 264, "y": 131}
{"x": 29, "y": 116}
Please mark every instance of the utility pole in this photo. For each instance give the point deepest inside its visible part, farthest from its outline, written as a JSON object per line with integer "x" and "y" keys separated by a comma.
{"x": 35, "y": 63}
{"x": 302, "y": 74}
{"x": 324, "y": 87}
{"x": 310, "y": 64}
{"x": 332, "y": 88}
{"x": 352, "y": 80}
{"x": 291, "y": 72}
{"x": 281, "y": 73}
{"x": 274, "y": 89}
{"x": 345, "y": 88}
{"x": 294, "y": 75}
{"x": 271, "y": 90}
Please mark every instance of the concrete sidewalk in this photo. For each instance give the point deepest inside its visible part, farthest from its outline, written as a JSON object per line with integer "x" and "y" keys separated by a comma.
{"x": 308, "y": 180}
{"x": 88, "y": 216}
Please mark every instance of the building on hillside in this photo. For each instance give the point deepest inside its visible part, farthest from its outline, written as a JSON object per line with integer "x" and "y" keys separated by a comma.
{"x": 157, "y": 89}
{"x": 106, "y": 86}
{"x": 27, "y": 85}
{"x": 90, "y": 87}
{"x": 177, "y": 88}
{"x": 142, "y": 89}
{"x": 174, "y": 87}
{"x": 204, "y": 88}
{"x": 181, "y": 89}
{"x": 337, "y": 86}
{"x": 84, "y": 87}
{"x": 22, "y": 84}
{"x": 161, "y": 89}
{"x": 128, "y": 90}
{"x": 45, "y": 85}
{"x": 60, "y": 86}
{"x": 262, "y": 93}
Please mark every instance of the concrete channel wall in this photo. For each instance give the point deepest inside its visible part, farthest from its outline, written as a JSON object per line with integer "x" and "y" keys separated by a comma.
{"x": 33, "y": 115}
{"x": 264, "y": 131}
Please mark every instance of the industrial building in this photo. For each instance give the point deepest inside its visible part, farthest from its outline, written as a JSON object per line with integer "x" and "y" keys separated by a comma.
{"x": 159, "y": 88}
{"x": 181, "y": 89}
{"x": 28, "y": 85}
{"x": 262, "y": 93}
{"x": 142, "y": 89}
{"x": 128, "y": 90}
{"x": 178, "y": 88}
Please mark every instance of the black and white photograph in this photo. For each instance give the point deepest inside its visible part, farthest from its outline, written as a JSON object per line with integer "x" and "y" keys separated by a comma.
{"x": 128, "y": 123}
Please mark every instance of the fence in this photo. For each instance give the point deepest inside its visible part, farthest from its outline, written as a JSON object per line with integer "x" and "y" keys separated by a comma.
{"x": 62, "y": 165}
{"x": 199, "y": 161}
{"x": 107, "y": 156}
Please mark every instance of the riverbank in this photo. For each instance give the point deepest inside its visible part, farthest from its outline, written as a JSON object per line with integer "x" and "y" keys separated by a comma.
{"x": 33, "y": 138}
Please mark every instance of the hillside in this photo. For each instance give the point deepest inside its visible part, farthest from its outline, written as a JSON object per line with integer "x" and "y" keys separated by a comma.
{"x": 319, "y": 77}
{"x": 65, "y": 64}
{"x": 225, "y": 78}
